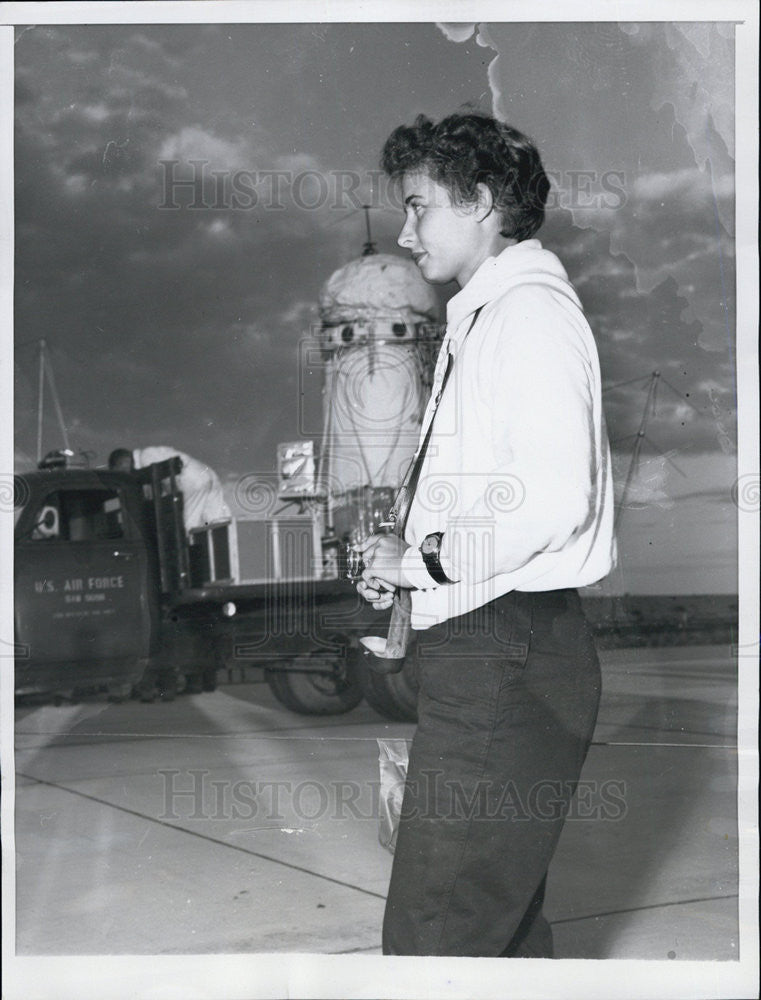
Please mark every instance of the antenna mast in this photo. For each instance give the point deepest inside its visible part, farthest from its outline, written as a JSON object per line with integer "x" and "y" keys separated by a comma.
{"x": 40, "y": 392}
{"x": 369, "y": 247}
{"x": 640, "y": 437}
{"x": 46, "y": 368}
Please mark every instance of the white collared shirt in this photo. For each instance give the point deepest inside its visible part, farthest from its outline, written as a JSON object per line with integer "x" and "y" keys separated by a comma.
{"x": 517, "y": 473}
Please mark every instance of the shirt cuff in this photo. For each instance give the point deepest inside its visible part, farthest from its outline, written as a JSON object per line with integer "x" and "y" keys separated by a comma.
{"x": 416, "y": 570}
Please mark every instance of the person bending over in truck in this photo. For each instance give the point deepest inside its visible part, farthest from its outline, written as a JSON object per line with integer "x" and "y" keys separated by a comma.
{"x": 513, "y": 511}
{"x": 203, "y": 499}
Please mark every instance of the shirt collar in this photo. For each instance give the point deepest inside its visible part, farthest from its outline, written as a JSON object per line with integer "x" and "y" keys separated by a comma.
{"x": 486, "y": 282}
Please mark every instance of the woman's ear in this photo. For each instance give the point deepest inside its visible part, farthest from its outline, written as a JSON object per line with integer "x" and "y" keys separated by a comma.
{"x": 485, "y": 203}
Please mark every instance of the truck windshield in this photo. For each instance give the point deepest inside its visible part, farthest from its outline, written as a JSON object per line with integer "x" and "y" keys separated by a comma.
{"x": 80, "y": 515}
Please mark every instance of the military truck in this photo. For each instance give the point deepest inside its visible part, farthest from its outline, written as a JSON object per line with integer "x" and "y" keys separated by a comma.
{"x": 112, "y": 595}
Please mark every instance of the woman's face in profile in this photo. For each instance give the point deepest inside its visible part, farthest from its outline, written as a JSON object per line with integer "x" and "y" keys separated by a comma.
{"x": 439, "y": 234}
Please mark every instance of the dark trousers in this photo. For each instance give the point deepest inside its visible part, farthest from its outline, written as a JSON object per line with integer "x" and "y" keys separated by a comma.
{"x": 507, "y": 706}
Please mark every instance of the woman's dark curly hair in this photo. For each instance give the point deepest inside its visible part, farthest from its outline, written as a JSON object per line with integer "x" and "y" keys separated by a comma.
{"x": 467, "y": 149}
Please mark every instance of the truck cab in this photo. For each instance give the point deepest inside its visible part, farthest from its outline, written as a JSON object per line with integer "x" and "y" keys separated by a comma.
{"x": 86, "y": 600}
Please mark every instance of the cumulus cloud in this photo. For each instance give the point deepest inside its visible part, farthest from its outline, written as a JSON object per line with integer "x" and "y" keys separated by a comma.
{"x": 670, "y": 227}
{"x": 694, "y": 186}
{"x": 649, "y": 160}
{"x": 300, "y": 313}
{"x": 193, "y": 142}
{"x": 199, "y": 314}
{"x": 644, "y": 481}
{"x": 82, "y": 57}
{"x": 153, "y": 46}
{"x": 639, "y": 332}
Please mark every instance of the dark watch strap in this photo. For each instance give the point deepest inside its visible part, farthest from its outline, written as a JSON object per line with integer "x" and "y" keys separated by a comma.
{"x": 433, "y": 562}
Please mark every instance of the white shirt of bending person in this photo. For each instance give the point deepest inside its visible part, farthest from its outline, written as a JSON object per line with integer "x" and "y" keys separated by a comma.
{"x": 202, "y": 496}
{"x": 517, "y": 474}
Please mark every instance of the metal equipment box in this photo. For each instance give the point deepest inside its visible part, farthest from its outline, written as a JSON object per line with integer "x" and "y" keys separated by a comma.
{"x": 252, "y": 550}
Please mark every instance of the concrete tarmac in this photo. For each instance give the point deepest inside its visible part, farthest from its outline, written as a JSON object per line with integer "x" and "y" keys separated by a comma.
{"x": 222, "y": 823}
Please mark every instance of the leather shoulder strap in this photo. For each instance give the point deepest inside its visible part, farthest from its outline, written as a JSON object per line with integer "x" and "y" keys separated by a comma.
{"x": 403, "y": 501}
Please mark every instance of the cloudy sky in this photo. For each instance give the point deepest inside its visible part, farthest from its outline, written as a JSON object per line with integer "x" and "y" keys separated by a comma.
{"x": 175, "y": 315}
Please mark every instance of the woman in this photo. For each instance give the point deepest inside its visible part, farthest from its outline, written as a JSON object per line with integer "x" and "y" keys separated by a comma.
{"x": 512, "y": 512}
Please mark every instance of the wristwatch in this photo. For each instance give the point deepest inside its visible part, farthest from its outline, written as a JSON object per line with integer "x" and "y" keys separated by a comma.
{"x": 430, "y": 550}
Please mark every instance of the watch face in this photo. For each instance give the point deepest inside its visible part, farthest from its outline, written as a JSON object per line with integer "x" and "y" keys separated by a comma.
{"x": 430, "y": 545}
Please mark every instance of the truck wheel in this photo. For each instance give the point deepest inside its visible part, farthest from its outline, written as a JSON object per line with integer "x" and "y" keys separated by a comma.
{"x": 167, "y": 684}
{"x": 146, "y": 688}
{"x": 310, "y": 693}
{"x": 394, "y": 696}
{"x": 193, "y": 684}
{"x": 119, "y": 692}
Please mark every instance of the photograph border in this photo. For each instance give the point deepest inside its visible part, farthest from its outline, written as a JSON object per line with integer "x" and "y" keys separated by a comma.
{"x": 307, "y": 975}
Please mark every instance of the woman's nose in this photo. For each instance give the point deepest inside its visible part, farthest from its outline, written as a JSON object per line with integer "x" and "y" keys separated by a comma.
{"x": 405, "y": 237}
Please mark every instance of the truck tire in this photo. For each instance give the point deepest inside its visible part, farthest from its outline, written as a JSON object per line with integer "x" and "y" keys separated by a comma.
{"x": 167, "y": 684}
{"x": 119, "y": 691}
{"x": 312, "y": 693}
{"x": 394, "y": 696}
{"x": 200, "y": 680}
{"x": 193, "y": 683}
{"x": 157, "y": 683}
